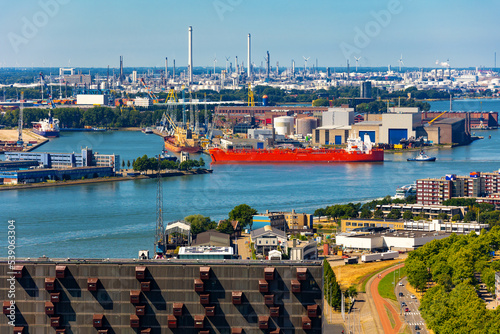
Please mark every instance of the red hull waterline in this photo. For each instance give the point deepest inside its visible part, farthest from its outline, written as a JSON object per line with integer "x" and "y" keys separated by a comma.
{"x": 297, "y": 155}
{"x": 177, "y": 149}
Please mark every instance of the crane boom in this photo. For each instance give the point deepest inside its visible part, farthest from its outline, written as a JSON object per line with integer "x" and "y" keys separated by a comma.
{"x": 149, "y": 91}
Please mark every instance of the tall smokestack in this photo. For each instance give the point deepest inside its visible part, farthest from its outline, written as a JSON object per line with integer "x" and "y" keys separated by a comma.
{"x": 249, "y": 58}
{"x": 173, "y": 71}
{"x": 121, "y": 69}
{"x": 166, "y": 68}
{"x": 190, "y": 54}
{"x": 293, "y": 68}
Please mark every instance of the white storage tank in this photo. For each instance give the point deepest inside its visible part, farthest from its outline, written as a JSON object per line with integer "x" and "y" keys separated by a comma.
{"x": 306, "y": 125}
{"x": 284, "y": 125}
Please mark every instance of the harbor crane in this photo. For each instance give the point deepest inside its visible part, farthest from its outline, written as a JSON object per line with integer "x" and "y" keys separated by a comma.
{"x": 251, "y": 102}
{"x": 149, "y": 91}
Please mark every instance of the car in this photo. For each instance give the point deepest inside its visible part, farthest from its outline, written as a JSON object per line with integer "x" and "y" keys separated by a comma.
{"x": 413, "y": 297}
{"x": 417, "y": 327}
{"x": 407, "y": 309}
{"x": 401, "y": 294}
{"x": 401, "y": 284}
{"x": 403, "y": 304}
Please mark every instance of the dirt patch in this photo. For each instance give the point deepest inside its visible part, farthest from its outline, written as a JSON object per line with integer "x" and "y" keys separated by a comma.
{"x": 355, "y": 274}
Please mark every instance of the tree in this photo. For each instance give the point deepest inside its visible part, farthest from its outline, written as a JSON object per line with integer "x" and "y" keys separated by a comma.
{"x": 456, "y": 217}
{"x": 244, "y": 214}
{"x": 407, "y": 215}
{"x": 394, "y": 214}
{"x": 225, "y": 226}
{"x": 331, "y": 287}
{"x": 123, "y": 163}
{"x": 366, "y": 213}
{"x": 378, "y": 214}
{"x": 199, "y": 223}
{"x": 443, "y": 216}
{"x": 417, "y": 274}
{"x": 321, "y": 103}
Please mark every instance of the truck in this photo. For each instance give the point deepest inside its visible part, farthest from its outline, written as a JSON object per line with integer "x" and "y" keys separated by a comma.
{"x": 389, "y": 255}
{"x": 351, "y": 260}
{"x": 371, "y": 257}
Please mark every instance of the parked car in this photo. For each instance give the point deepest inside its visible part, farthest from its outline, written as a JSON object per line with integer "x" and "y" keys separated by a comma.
{"x": 401, "y": 284}
{"x": 403, "y": 304}
{"x": 417, "y": 327}
{"x": 413, "y": 297}
{"x": 407, "y": 309}
{"x": 401, "y": 294}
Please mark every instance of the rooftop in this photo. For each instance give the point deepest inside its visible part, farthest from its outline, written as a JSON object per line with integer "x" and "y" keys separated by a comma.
{"x": 206, "y": 250}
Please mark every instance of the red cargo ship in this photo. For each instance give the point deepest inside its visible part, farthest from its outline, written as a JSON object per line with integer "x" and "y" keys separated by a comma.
{"x": 356, "y": 151}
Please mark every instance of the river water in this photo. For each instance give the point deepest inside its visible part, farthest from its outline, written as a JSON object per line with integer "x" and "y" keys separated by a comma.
{"x": 117, "y": 219}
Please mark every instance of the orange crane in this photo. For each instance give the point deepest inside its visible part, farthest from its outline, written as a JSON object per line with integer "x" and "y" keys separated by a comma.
{"x": 150, "y": 92}
{"x": 435, "y": 118}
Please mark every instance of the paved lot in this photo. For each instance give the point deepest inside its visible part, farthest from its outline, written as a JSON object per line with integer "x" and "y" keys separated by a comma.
{"x": 412, "y": 317}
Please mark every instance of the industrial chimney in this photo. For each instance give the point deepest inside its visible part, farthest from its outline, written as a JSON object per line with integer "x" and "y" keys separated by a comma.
{"x": 190, "y": 54}
{"x": 249, "y": 59}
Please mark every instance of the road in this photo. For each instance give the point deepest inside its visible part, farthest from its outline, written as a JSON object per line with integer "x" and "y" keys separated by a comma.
{"x": 412, "y": 317}
{"x": 381, "y": 304}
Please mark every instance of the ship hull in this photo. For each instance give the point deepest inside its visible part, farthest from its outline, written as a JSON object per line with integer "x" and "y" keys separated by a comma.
{"x": 48, "y": 134}
{"x": 172, "y": 147}
{"x": 290, "y": 156}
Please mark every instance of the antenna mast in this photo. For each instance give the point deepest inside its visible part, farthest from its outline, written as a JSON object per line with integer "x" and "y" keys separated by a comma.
{"x": 159, "y": 234}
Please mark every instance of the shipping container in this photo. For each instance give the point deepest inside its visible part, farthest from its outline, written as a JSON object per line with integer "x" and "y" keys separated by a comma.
{"x": 371, "y": 257}
{"x": 390, "y": 255}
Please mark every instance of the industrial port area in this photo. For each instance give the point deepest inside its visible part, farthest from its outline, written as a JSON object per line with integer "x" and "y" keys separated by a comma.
{"x": 211, "y": 175}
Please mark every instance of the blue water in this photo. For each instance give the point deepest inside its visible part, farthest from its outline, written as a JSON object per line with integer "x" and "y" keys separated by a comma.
{"x": 116, "y": 220}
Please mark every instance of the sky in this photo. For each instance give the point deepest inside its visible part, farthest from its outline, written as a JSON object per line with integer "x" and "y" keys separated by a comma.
{"x": 91, "y": 33}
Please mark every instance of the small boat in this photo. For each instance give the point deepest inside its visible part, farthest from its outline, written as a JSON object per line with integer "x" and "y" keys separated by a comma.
{"x": 422, "y": 157}
{"x": 147, "y": 130}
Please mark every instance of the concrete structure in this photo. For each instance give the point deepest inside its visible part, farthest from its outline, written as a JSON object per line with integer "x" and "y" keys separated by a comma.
{"x": 144, "y": 102}
{"x": 337, "y": 116}
{"x": 268, "y": 238}
{"x": 190, "y": 54}
{"x": 68, "y": 160}
{"x": 284, "y": 125}
{"x": 159, "y": 294}
{"x": 397, "y": 240}
{"x": 202, "y": 252}
{"x": 439, "y": 225}
{"x": 350, "y": 224}
{"x": 92, "y": 99}
{"x": 431, "y": 211}
{"x": 44, "y": 174}
{"x": 274, "y": 219}
{"x": 306, "y": 125}
{"x": 300, "y": 251}
{"x": 365, "y": 90}
{"x": 477, "y": 184}
{"x": 446, "y": 131}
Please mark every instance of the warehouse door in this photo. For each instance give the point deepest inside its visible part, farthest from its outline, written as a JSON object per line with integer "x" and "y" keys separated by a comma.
{"x": 338, "y": 140}
{"x": 369, "y": 133}
{"x": 395, "y": 135}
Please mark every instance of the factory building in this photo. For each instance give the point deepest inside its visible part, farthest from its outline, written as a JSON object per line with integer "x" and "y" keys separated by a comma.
{"x": 164, "y": 296}
{"x": 396, "y": 240}
{"x": 144, "y": 102}
{"x": 93, "y": 98}
{"x": 41, "y": 175}
{"x": 335, "y": 126}
{"x": 68, "y": 160}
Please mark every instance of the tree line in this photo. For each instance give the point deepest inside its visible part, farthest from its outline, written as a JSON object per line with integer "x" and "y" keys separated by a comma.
{"x": 449, "y": 271}
{"x": 144, "y": 163}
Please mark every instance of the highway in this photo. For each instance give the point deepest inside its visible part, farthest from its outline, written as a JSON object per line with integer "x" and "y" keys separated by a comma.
{"x": 412, "y": 317}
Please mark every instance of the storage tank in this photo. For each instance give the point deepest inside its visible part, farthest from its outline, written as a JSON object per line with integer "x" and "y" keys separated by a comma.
{"x": 306, "y": 125}
{"x": 284, "y": 125}
{"x": 264, "y": 100}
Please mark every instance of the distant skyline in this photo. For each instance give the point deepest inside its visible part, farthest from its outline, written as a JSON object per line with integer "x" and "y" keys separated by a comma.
{"x": 70, "y": 33}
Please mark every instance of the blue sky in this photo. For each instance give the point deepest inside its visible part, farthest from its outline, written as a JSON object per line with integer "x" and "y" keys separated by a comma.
{"x": 95, "y": 33}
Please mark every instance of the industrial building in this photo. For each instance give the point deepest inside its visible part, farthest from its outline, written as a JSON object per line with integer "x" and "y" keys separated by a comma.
{"x": 300, "y": 251}
{"x": 93, "y": 98}
{"x": 144, "y": 102}
{"x": 43, "y": 174}
{"x": 86, "y": 158}
{"x": 335, "y": 126}
{"x": 212, "y": 238}
{"x": 397, "y": 240}
{"x": 163, "y": 296}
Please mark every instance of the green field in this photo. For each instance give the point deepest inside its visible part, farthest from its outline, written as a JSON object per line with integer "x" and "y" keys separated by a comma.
{"x": 386, "y": 286}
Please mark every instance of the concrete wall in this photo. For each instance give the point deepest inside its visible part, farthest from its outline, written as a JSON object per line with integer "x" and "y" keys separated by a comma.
{"x": 171, "y": 282}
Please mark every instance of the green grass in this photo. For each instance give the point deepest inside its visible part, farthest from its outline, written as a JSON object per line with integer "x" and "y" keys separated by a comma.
{"x": 365, "y": 279}
{"x": 386, "y": 286}
{"x": 389, "y": 315}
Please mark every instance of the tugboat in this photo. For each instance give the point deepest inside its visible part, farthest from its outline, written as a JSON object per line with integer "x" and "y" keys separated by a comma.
{"x": 422, "y": 157}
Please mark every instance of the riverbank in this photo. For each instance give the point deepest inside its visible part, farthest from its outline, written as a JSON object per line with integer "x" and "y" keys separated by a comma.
{"x": 122, "y": 177}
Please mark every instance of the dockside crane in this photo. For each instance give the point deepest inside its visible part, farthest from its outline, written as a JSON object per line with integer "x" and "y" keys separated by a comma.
{"x": 149, "y": 91}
